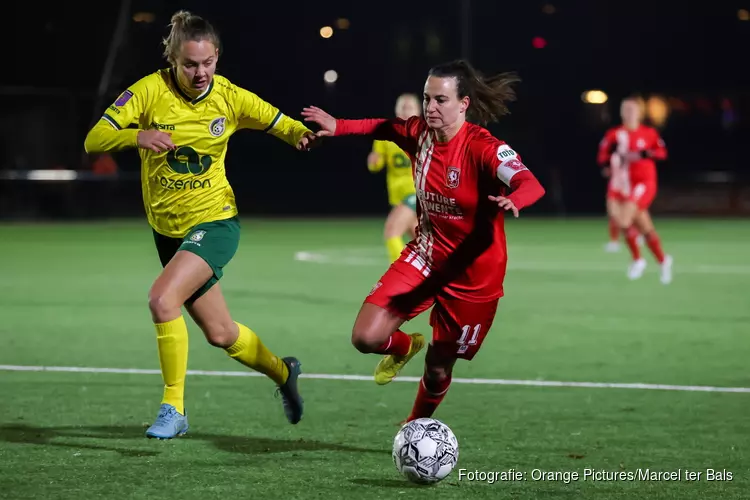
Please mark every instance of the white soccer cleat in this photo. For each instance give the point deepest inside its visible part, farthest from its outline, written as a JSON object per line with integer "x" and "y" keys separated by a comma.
{"x": 612, "y": 247}
{"x": 666, "y": 270}
{"x": 636, "y": 268}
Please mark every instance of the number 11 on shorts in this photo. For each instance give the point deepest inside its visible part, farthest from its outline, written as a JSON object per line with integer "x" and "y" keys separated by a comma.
{"x": 463, "y": 345}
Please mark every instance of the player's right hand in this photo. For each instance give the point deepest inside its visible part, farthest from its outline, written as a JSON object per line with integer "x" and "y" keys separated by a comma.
{"x": 155, "y": 140}
{"x": 373, "y": 159}
{"x": 326, "y": 122}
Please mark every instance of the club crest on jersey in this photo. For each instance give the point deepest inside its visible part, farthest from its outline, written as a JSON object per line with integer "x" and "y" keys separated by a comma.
{"x": 217, "y": 126}
{"x": 514, "y": 165}
{"x": 452, "y": 176}
{"x": 197, "y": 236}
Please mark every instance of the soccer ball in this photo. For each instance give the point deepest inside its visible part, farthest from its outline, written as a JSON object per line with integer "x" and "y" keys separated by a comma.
{"x": 425, "y": 451}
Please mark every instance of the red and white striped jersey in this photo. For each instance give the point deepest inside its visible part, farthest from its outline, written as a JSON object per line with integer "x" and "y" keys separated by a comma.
{"x": 461, "y": 233}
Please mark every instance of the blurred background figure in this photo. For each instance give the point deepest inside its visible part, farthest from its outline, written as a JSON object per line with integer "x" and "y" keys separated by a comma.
{"x": 402, "y": 219}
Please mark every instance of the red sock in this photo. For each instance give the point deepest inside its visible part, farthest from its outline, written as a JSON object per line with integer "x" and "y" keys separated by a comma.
{"x": 631, "y": 234}
{"x": 429, "y": 397}
{"x": 398, "y": 343}
{"x": 614, "y": 230}
{"x": 654, "y": 244}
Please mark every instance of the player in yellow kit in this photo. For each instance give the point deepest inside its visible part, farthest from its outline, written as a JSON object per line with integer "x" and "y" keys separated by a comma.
{"x": 402, "y": 197}
{"x": 181, "y": 119}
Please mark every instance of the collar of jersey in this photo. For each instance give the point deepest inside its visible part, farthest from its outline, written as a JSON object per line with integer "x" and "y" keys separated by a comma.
{"x": 189, "y": 99}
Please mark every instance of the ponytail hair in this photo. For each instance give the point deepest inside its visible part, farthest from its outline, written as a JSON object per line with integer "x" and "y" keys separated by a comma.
{"x": 185, "y": 27}
{"x": 488, "y": 95}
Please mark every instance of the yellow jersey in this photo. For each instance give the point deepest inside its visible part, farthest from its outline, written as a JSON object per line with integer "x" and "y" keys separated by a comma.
{"x": 398, "y": 174}
{"x": 187, "y": 186}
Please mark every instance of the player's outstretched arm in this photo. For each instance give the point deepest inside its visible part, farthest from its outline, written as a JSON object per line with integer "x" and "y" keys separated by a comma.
{"x": 395, "y": 129}
{"x": 257, "y": 114}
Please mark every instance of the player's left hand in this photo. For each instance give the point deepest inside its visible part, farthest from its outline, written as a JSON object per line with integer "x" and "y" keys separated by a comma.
{"x": 326, "y": 122}
{"x": 307, "y": 142}
{"x": 505, "y": 204}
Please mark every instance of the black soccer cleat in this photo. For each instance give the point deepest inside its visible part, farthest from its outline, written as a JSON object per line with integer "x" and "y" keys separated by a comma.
{"x": 293, "y": 402}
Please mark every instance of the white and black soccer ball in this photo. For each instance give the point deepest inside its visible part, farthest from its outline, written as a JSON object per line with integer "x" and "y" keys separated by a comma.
{"x": 425, "y": 451}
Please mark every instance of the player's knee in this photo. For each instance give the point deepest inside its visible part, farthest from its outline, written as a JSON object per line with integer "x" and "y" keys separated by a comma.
{"x": 220, "y": 334}
{"x": 365, "y": 339}
{"x": 163, "y": 308}
{"x": 437, "y": 373}
{"x": 391, "y": 229}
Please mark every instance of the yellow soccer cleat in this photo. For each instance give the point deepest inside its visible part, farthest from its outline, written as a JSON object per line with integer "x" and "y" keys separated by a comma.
{"x": 390, "y": 365}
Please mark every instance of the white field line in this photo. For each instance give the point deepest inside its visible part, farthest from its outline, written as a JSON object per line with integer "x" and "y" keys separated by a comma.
{"x": 339, "y": 258}
{"x": 368, "y": 378}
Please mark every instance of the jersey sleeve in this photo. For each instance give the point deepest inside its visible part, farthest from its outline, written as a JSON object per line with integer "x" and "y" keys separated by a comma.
{"x": 506, "y": 164}
{"x": 604, "y": 154}
{"x": 132, "y": 104}
{"x": 254, "y": 113}
{"x": 658, "y": 150}
{"x": 502, "y": 160}
{"x": 403, "y": 133}
{"x": 111, "y": 132}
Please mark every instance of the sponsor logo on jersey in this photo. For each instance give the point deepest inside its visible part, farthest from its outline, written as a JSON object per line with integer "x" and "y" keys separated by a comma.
{"x": 162, "y": 126}
{"x": 452, "y": 177}
{"x": 124, "y": 98}
{"x": 504, "y": 152}
{"x": 183, "y": 185}
{"x": 217, "y": 126}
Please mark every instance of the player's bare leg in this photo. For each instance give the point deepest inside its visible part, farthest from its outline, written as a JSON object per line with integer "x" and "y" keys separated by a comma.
{"x": 436, "y": 381}
{"x": 627, "y": 214}
{"x": 180, "y": 279}
{"x": 613, "y": 212}
{"x": 211, "y": 314}
{"x": 183, "y": 275}
{"x": 401, "y": 220}
{"x": 376, "y": 331}
{"x": 645, "y": 225}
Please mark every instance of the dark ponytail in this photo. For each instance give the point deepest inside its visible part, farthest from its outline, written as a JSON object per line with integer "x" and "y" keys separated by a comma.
{"x": 488, "y": 95}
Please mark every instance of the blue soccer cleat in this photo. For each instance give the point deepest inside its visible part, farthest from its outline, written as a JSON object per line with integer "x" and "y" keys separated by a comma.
{"x": 169, "y": 423}
{"x": 293, "y": 403}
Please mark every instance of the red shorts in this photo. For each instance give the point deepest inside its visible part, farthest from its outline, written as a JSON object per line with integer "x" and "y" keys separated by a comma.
{"x": 642, "y": 193}
{"x": 458, "y": 326}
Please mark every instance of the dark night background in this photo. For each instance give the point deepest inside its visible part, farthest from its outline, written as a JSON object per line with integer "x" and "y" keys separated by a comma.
{"x": 693, "y": 55}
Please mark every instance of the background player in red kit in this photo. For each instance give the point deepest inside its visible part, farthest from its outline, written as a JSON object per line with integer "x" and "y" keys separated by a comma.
{"x": 457, "y": 262}
{"x": 638, "y": 146}
{"x": 613, "y": 167}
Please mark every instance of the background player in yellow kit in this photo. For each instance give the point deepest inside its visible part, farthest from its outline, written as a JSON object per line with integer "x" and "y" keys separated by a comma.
{"x": 401, "y": 193}
{"x": 183, "y": 118}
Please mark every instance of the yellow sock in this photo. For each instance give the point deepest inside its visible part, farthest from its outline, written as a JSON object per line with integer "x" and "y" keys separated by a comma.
{"x": 394, "y": 246}
{"x": 250, "y": 351}
{"x": 172, "y": 340}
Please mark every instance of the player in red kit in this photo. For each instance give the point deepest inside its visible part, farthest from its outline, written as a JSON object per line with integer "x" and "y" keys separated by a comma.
{"x": 617, "y": 187}
{"x": 465, "y": 179}
{"x": 636, "y": 149}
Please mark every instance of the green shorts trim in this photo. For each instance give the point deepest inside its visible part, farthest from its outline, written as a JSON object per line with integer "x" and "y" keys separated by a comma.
{"x": 215, "y": 242}
{"x": 410, "y": 201}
